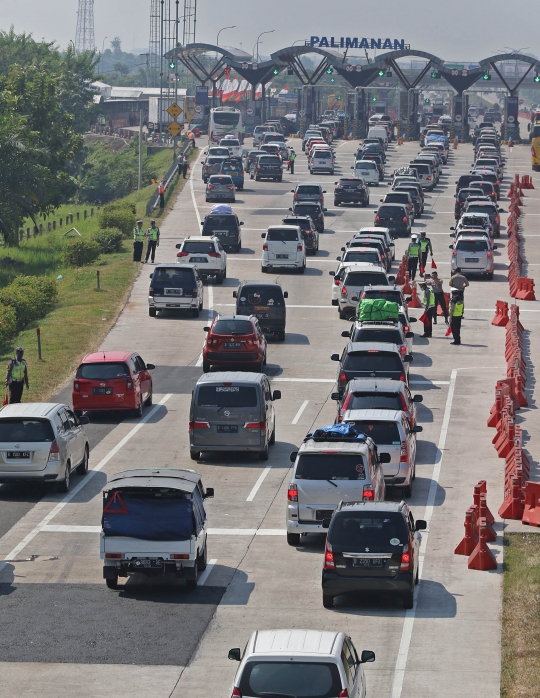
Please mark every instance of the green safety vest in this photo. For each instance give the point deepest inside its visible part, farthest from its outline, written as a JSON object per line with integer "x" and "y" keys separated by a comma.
{"x": 292, "y": 156}
{"x": 153, "y": 233}
{"x": 430, "y": 298}
{"x": 138, "y": 234}
{"x": 17, "y": 369}
{"x": 458, "y": 309}
{"x": 414, "y": 249}
{"x": 424, "y": 244}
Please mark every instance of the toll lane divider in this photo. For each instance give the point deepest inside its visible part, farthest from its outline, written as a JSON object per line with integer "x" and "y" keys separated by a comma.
{"x": 478, "y": 532}
{"x": 521, "y": 287}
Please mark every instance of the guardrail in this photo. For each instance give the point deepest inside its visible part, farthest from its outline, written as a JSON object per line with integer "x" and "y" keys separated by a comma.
{"x": 153, "y": 203}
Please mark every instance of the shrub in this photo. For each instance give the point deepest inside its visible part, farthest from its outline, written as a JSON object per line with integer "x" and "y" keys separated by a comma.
{"x": 8, "y": 323}
{"x": 118, "y": 217}
{"x": 109, "y": 241}
{"x": 30, "y": 298}
{"x": 81, "y": 251}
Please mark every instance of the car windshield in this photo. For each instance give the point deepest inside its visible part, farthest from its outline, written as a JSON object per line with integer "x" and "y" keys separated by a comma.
{"x": 103, "y": 370}
{"x": 173, "y": 278}
{"x": 389, "y": 210}
{"x": 479, "y": 208}
{"x": 374, "y": 401}
{"x": 281, "y": 235}
{"x": 295, "y": 679}
{"x": 386, "y": 335}
{"x": 397, "y": 197}
{"x": 365, "y": 278}
{"x": 469, "y": 193}
{"x": 224, "y": 179}
{"x": 226, "y": 396}
{"x": 313, "y": 211}
{"x": 232, "y": 327}
{"x": 371, "y": 257}
{"x": 21, "y": 429}
{"x": 363, "y": 165}
{"x": 269, "y": 160}
{"x": 323, "y": 466}
{"x": 231, "y": 167}
{"x": 200, "y": 247}
{"x": 215, "y": 222}
{"x": 311, "y": 189}
{"x": 372, "y": 362}
{"x": 382, "y": 432}
{"x": 224, "y": 118}
{"x": 472, "y": 246}
{"x": 229, "y": 142}
{"x": 378, "y": 531}
{"x": 261, "y": 295}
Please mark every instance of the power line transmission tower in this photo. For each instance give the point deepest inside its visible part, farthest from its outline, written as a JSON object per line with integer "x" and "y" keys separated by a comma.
{"x": 190, "y": 22}
{"x": 84, "y": 36}
{"x": 154, "y": 46}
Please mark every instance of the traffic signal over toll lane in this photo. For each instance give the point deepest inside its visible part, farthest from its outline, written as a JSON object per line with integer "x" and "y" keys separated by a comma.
{"x": 486, "y": 76}
{"x": 382, "y": 71}
{"x": 537, "y": 78}
{"x": 171, "y": 64}
{"x": 427, "y": 100}
{"x": 329, "y": 71}
{"x": 435, "y": 74}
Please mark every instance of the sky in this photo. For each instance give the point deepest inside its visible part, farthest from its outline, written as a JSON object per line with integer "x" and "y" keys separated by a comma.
{"x": 460, "y": 31}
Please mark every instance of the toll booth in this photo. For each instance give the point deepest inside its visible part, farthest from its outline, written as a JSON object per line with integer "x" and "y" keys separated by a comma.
{"x": 510, "y": 128}
{"x": 460, "y": 121}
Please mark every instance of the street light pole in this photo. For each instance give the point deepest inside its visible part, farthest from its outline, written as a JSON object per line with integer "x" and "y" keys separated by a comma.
{"x": 257, "y": 44}
{"x": 102, "y": 49}
{"x": 139, "y": 187}
{"x": 221, "y": 30}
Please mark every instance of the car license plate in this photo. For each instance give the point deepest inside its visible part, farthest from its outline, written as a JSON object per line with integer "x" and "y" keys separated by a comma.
{"x": 199, "y": 260}
{"x": 472, "y": 260}
{"x": 174, "y": 292}
{"x": 146, "y": 563}
{"x": 18, "y": 454}
{"x": 282, "y": 256}
{"x": 261, "y": 315}
{"x": 227, "y": 429}
{"x": 233, "y": 345}
{"x": 102, "y": 391}
{"x": 172, "y": 305}
{"x": 367, "y": 562}
{"x": 321, "y": 514}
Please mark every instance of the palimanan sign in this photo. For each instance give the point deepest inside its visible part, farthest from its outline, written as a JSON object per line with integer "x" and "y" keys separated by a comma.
{"x": 356, "y": 42}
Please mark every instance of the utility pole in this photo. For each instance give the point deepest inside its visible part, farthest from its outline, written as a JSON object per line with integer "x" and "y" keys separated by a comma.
{"x": 140, "y": 149}
{"x": 84, "y": 35}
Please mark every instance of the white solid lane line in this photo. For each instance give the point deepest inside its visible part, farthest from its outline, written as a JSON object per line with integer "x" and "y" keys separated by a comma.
{"x": 52, "y": 528}
{"x": 102, "y": 463}
{"x": 256, "y": 486}
{"x": 193, "y": 193}
{"x": 204, "y": 576}
{"x": 299, "y": 413}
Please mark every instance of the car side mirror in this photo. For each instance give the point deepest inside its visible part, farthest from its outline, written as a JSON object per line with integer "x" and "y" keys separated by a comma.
{"x": 290, "y": 209}
{"x": 326, "y": 523}
{"x": 420, "y": 525}
{"x": 178, "y": 246}
{"x": 263, "y": 235}
{"x": 345, "y": 333}
{"x": 352, "y": 168}
{"x": 450, "y": 247}
{"x": 418, "y": 398}
{"x": 408, "y": 299}
{"x": 354, "y": 298}
{"x": 494, "y": 247}
{"x": 335, "y": 396}
{"x": 202, "y": 222}
{"x": 209, "y": 492}
{"x": 413, "y": 319}
{"x": 342, "y": 249}
{"x": 235, "y": 654}
{"x": 452, "y": 228}
{"x": 206, "y": 329}
{"x": 325, "y": 210}
{"x": 367, "y": 656}
{"x": 150, "y": 275}
{"x": 292, "y": 191}
{"x": 380, "y": 200}
{"x": 324, "y": 191}
{"x": 241, "y": 223}
{"x": 276, "y": 395}
{"x": 391, "y": 278}
{"x": 417, "y": 429}
{"x": 234, "y": 294}
{"x": 292, "y": 456}
{"x": 409, "y": 335}
{"x": 385, "y": 458}
{"x": 338, "y": 259}
{"x": 150, "y": 367}
{"x": 285, "y": 294}
{"x": 501, "y": 210}
{"x": 334, "y": 357}
{"x": 84, "y": 420}
{"x": 407, "y": 359}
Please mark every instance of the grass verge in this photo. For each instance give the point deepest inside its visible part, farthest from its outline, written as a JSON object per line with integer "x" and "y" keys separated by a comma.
{"x": 83, "y": 315}
{"x": 520, "y": 656}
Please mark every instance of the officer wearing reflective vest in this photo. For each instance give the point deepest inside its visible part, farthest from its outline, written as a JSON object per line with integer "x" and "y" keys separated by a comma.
{"x": 413, "y": 253}
{"x": 428, "y": 302}
{"x": 138, "y": 240}
{"x": 457, "y": 307}
{"x": 153, "y": 240}
{"x": 425, "y": 247}
{"x": 17, "y": 376}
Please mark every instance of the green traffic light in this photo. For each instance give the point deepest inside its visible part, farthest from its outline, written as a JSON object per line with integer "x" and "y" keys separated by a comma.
{"x": 427, "y": 100}
{"x": 486, "y": 76}
{"x": 275, "y": 71}
{"x": 332, "y": 79}
{"x": 374, "y": 99}
{"x": 537, "y": 78}
{"x": 329, "y": 71}
{"x": 381, "y": 73}
{"x": 339, "y": 98}
{"x": 171, "y": 65}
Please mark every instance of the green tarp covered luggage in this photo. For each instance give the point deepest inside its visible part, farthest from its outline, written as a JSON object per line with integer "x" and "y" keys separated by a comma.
{"x": 377, "y": 309}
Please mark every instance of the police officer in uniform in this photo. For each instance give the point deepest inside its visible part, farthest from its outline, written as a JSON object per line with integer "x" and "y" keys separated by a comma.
{"x": 153, "y": 240}
{"x": 292, "y": 158}
{"x": 413, "y": 252}
{"x": 17, "y": 376}
{"x": 138, "y": 240}
{"x": 457, "y": 306}
{"x": 425, "y": 247}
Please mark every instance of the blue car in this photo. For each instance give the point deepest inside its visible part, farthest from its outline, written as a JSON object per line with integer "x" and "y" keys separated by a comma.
{"x": 235, "y": 169}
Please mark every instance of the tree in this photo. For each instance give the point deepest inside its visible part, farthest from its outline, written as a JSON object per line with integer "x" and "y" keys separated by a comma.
{"x": 122, "y": 68}
{"x": 116, "y": 45}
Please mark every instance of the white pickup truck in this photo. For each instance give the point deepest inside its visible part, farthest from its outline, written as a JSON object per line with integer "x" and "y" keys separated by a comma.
{"x": 154, "y": 523}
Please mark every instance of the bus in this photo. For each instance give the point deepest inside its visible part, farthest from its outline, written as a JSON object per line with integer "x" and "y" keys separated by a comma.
{"x": 224, "y": 121}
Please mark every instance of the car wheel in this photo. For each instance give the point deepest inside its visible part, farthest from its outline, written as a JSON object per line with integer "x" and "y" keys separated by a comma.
{"x": 293, "y": 539}
{"x": 138, "y": 411}
{"x": 417, "y": 577}
{"x": 365, "y": 204}
{"x": 194, "y": 455}
{"x": 336, "y": 203}
{"x": 334, "y": 301}
{"x": 327, "y": 601}
{"x": 264, "y": 270}
{"x": 273, "y": 437}
{"x": 82, "y": 468}
{"x": 281, "y": 335}
{"x": 280, "y": 179}
{"x": 225, "y": 273}
{"x": 414, "y": 469}
{"x": 219, "y": 278}
{"x": 63, "y": 485}
{"x": 206, "y": 366}
{"x": 408, "y": 599}
{"x": 342, "y": 314}
{"x": 202, "y": 560}
{"x": 302, "y": 269}
{"x": 239, "y": 247}
{"x": 256, "y": 178}
{"x": 195, "y": 312}
{"x": 407, "y": 491}
{"x": 263, "y": 455}
{"x": 112, "y": 583}
{"x": 489, "y": 276}
{"x": 148, "y": 401}
{"x": 78, "y": 413}
{"x": 152, "y": 312}
{"x": 192, "y": 583}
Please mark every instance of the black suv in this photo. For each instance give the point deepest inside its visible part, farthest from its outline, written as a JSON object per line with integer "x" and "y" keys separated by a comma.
{"x": 314, "y": 210}
{"x": 265, "y": 300}
{"x": 226, "y": 227}
{"x": 370, "y": 360}
{"x": 462, "y": 196}
{"x": 351, "y": 191}
{"x": 310, "y": 234}
{"x": 266, "y": 167}
{"x": 371, "y": 546}
{"x": 395, "y": 217}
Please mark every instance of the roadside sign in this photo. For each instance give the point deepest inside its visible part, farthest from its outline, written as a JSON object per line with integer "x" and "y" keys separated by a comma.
{"x": 457, "y": 117}
{"x": 511, "y": 119}
{"x": 198, "y": 109}
{"x": 174, "y": 110}
{"x": 174, "y": 128}
{"x": 249, "y": 111}
{"x": 522, "y": 101}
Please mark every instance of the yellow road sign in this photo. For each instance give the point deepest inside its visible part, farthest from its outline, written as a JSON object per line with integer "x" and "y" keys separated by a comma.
{"x": 174, "y": 110}
{"x": 174, "y": 128}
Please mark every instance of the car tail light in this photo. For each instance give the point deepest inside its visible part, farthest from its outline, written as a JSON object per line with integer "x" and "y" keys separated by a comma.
{"x": 405, "y": 559}
{"x": 242, "y": 173}
{"x": 182, "y": 556}
{"x": 259, "y": 167}
{"x": 230, "y": 187}
{"x": 454, "y": 253}
{"x": 329, "y": 563}
{"x": 382, "y": 256}
{"x": 406, "y": 328}
{"x": 194, "y": 293}
{"x": 496, "y": 218}
{"x": 428, "y": 177}
{"x": 313, "y": 161}
{"x": 344, "y": 693}
{"x": 489, "y": 254}
{"x": 236, "y": 693}
{"x": 368, "y": 493}
{"x": 403, "y": 402}
{"x": 404, "y": 452}
{"x": 113, "y": 556}
{"x": 197, "y": 425}
{"x": 209, "y": 186}
{"x": 182, "y": 254}
{"x": 377, "y": 218}
{"x": 255, "y": 425}
{"x": 405, "y": 219}
{"x": 54, "y": 453}
{"x": 403, "y": 349}
{"x": 292, "y": 493}
{"x": 214, "y": 254}
{"x": 320, "y": 197}
{"x": 265, "y": 248}
{"x": 337, "y": 281}
{"x": 151, "y": 292}
{"x": 76, "y": 386}
{"x": 299, "y": 248}
{"x": 295, "y": 197}
{"x": 342, "y": 377}
{"x": 402, "y": 378}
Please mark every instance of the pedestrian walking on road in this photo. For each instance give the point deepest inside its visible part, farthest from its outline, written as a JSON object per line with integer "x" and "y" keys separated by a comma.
{"x": 413, "y": 253}
{"x": 161, "y": 192}
{"x": 185, "y": 168}
{"x": 437, "y": 288}
{"x": 152, "y": 235}
{"x": 428, "y": 302}
{"x": 138, "y": 240}
{"x": 292, "y": 158}
{"x": 425, "y": 247}
{"x": 180, "y": 164}
{"x": 457, "y": 308}
{"x": 17, "y": 376}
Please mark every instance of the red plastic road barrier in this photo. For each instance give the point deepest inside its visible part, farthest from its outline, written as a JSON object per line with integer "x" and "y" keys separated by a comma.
{"x": 512, "y": 507}
{"x": 415, "y": 301}
{"x": 501, "y": 314}
{"x": 468, "y": 543}
{"x": 525, "y": 289}
{"x": 481, "y": 489}
{"x": 407, "y": 288}
{"x": 481, "y": 557}
{"x": 482, "y": 513}
{"x": 447, "y": 299}
{"x": 531, "y": 512}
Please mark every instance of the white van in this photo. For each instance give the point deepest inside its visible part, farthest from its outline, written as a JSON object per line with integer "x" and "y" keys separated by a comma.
{"x": 366, "y": 170}
{"x": 381, "y": 133}
{"x": 283, "y": 247}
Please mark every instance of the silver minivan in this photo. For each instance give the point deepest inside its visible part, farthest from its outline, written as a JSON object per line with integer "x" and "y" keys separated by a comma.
{"x": 42, "y": 442}
{"x": 474, "y": 255}
{"x": 232, "y": 411}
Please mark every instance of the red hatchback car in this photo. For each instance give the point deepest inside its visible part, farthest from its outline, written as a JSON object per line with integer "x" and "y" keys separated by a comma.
{"x": 112, "y": 380}
{"x": 235, "y": 340}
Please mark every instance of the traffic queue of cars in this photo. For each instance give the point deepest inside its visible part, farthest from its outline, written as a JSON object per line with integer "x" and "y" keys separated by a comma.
{"x": 476, "y": 210}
